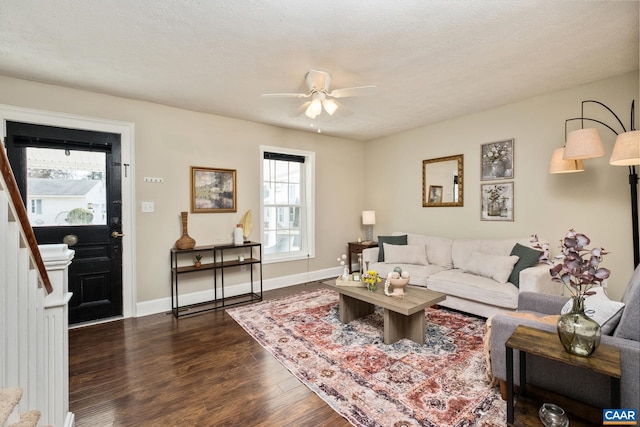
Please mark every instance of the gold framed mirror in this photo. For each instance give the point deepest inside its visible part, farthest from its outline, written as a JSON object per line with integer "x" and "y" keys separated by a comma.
{"x": 442, "y": 180}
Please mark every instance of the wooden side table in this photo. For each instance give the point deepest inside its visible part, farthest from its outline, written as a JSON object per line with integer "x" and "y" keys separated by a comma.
{"x": 357, "y": 248}
{"x": 605, "y": 360}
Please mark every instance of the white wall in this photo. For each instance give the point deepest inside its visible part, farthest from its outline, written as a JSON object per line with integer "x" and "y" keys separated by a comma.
{"x": 595, "y": 202}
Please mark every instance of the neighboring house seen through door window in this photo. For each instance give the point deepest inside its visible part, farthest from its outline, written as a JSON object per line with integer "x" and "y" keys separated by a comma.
{"x": 66, "y": 187}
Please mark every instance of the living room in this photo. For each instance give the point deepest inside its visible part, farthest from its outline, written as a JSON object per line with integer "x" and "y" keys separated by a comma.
{"x": 383, "y": 174}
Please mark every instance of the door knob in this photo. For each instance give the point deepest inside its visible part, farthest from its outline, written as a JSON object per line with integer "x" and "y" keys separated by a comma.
{"x": 116, "y": 234}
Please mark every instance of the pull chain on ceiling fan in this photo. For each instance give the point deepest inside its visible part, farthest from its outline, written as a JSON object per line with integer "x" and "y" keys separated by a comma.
{"x": 318, "y": 83}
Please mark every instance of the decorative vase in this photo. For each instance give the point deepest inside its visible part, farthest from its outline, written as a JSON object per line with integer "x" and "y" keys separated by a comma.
{"x": 579, "y": 334}
{"x": 185, "y": 242}
{"x": 498, "y": 169}
{"x": 494, "y": 208}
{"x": 238, "y": 238}
{"x": 345, "y": 273}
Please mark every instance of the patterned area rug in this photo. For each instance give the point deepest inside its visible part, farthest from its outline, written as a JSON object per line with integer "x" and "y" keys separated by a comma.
{"x": 442, "y": 383}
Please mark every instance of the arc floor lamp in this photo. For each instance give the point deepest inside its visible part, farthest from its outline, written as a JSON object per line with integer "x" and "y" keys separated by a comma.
{"x": 585, "y": 143}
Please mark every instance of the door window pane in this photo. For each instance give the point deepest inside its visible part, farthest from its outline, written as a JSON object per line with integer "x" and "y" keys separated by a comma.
{"x": 66, "y": 187}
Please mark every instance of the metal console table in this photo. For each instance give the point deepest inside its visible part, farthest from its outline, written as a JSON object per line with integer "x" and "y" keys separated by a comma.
{"x": 243, "y": 255}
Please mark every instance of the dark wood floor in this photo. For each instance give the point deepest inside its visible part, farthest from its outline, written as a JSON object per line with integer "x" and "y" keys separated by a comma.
{"x": 203, "y": 370}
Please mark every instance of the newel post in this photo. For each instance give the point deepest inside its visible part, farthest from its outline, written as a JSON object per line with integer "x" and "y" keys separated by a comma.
{"x": 55, "y": 410}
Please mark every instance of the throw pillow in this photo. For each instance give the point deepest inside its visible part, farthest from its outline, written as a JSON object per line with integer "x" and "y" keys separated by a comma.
{"x": 601, "y": 309}
{"x": 392, "y": 240}
{"x": 496, "y": 267}
{"x": 527, "y": 257}
{"x": 405, "y": 254}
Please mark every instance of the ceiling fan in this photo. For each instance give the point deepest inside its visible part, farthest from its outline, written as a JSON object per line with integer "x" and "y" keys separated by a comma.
{"x": 318, "y": 83}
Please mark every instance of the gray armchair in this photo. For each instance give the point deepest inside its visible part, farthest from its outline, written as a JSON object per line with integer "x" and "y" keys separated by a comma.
{"x": 578, "y": 384}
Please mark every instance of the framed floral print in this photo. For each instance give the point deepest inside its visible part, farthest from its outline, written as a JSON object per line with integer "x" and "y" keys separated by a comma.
{"x": 213, "y": 190}
{"x": 497, "y": 201}
{"x": 497, "y": 160}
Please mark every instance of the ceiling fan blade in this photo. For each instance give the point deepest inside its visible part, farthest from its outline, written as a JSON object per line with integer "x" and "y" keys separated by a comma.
{"x": 343, "y": 110}
{"x": 353, "y": 91}
{"x": 299, "y": 110}
{"x": 286, "y": 95}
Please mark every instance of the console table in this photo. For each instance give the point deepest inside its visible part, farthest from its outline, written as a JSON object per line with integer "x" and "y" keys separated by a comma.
{"x": 605, "y": 360}
{"x": 221, "y": 257}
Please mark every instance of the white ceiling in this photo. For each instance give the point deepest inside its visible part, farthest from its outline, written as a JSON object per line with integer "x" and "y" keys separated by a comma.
{"x": 431, "y": 60}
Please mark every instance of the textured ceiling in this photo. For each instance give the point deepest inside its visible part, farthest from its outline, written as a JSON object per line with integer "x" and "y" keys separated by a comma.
{"x": 431, "y": 60}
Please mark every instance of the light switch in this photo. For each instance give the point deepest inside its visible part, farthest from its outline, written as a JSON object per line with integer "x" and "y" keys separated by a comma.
{"x": 148, "y": 207}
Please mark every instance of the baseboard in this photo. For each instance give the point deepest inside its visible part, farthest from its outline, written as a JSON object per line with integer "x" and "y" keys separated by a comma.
{"x": 163, "y": 305}
{"x": 70, "y": 420}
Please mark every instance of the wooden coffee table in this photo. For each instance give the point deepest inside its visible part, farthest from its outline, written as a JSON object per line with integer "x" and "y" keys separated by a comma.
{"x": 403, "y": 317}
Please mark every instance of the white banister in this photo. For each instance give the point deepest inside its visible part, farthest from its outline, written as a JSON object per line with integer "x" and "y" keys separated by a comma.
{"x": 57, "y": 259}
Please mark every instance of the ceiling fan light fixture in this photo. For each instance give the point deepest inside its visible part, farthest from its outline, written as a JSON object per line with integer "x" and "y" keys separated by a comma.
{"x": 309, "y": 113}
{"x": 330, "y": 106}
{"x": 314, "y": 109}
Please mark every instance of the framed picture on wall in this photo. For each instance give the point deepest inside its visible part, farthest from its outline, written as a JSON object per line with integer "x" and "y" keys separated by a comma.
{"x": 496, "y": 160}
{"x": 435, "y": 194}
{"x": 497, "y": 201}
{"x": 213, "y": 190}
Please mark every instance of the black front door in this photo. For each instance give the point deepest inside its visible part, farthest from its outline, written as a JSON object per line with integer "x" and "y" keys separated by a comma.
{"x": 69, "y": 180}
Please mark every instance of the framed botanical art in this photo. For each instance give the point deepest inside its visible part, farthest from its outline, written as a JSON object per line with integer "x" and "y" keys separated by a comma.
{"x": 213, "y": 190}
{"x": 496, "y": 160}
{"x": 497, "y": 201}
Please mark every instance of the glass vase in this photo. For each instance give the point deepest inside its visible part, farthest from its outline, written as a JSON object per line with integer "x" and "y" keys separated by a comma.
{"x": 579, "y": 334}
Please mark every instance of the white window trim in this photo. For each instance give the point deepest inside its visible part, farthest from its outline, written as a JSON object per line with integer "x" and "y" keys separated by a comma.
{"x": 310, "y": 197}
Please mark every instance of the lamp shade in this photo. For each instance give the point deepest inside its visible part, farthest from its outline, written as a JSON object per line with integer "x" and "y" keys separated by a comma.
{"x": 559, "y": 165}
{"x": 583, "y": 144}
{"x": 368, "y": 217}
{"x": 626, "y": 151}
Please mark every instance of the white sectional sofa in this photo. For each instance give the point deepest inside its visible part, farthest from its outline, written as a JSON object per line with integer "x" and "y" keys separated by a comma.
{"x": 474, "y": 273}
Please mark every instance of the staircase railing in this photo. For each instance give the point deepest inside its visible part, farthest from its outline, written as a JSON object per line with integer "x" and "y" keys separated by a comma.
{"x": 30, "y": 358}
{"x": 10, "y": 185}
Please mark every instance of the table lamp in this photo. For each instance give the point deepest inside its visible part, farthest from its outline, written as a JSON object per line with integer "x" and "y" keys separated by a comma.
{"x": 368, "y": 220}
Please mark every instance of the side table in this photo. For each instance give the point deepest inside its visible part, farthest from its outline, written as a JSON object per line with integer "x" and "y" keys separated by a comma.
{"x": 357, "y": 248}
{"x": 605, "y": 360}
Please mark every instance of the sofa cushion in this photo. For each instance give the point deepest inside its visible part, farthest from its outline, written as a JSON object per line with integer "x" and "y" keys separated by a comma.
{"x": 527, "y": 257}
{"x": 405, "y": 254}
{"x": 600, "y": 308}
{"x": 392, "y": 240}
{"x": 475, "y": 288}
{"x": 497, "y": 267}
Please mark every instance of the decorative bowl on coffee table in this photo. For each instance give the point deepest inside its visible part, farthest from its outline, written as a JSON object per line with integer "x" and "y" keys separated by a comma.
{"x": 398, "y": 286}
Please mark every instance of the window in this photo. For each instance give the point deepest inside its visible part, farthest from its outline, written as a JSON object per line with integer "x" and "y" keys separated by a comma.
{"x": 287, "y": 204}
{"x": 65, "y": 186}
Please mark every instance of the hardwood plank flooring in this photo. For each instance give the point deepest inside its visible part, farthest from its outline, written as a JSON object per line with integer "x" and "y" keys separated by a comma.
{"x": 202, "y": 370}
